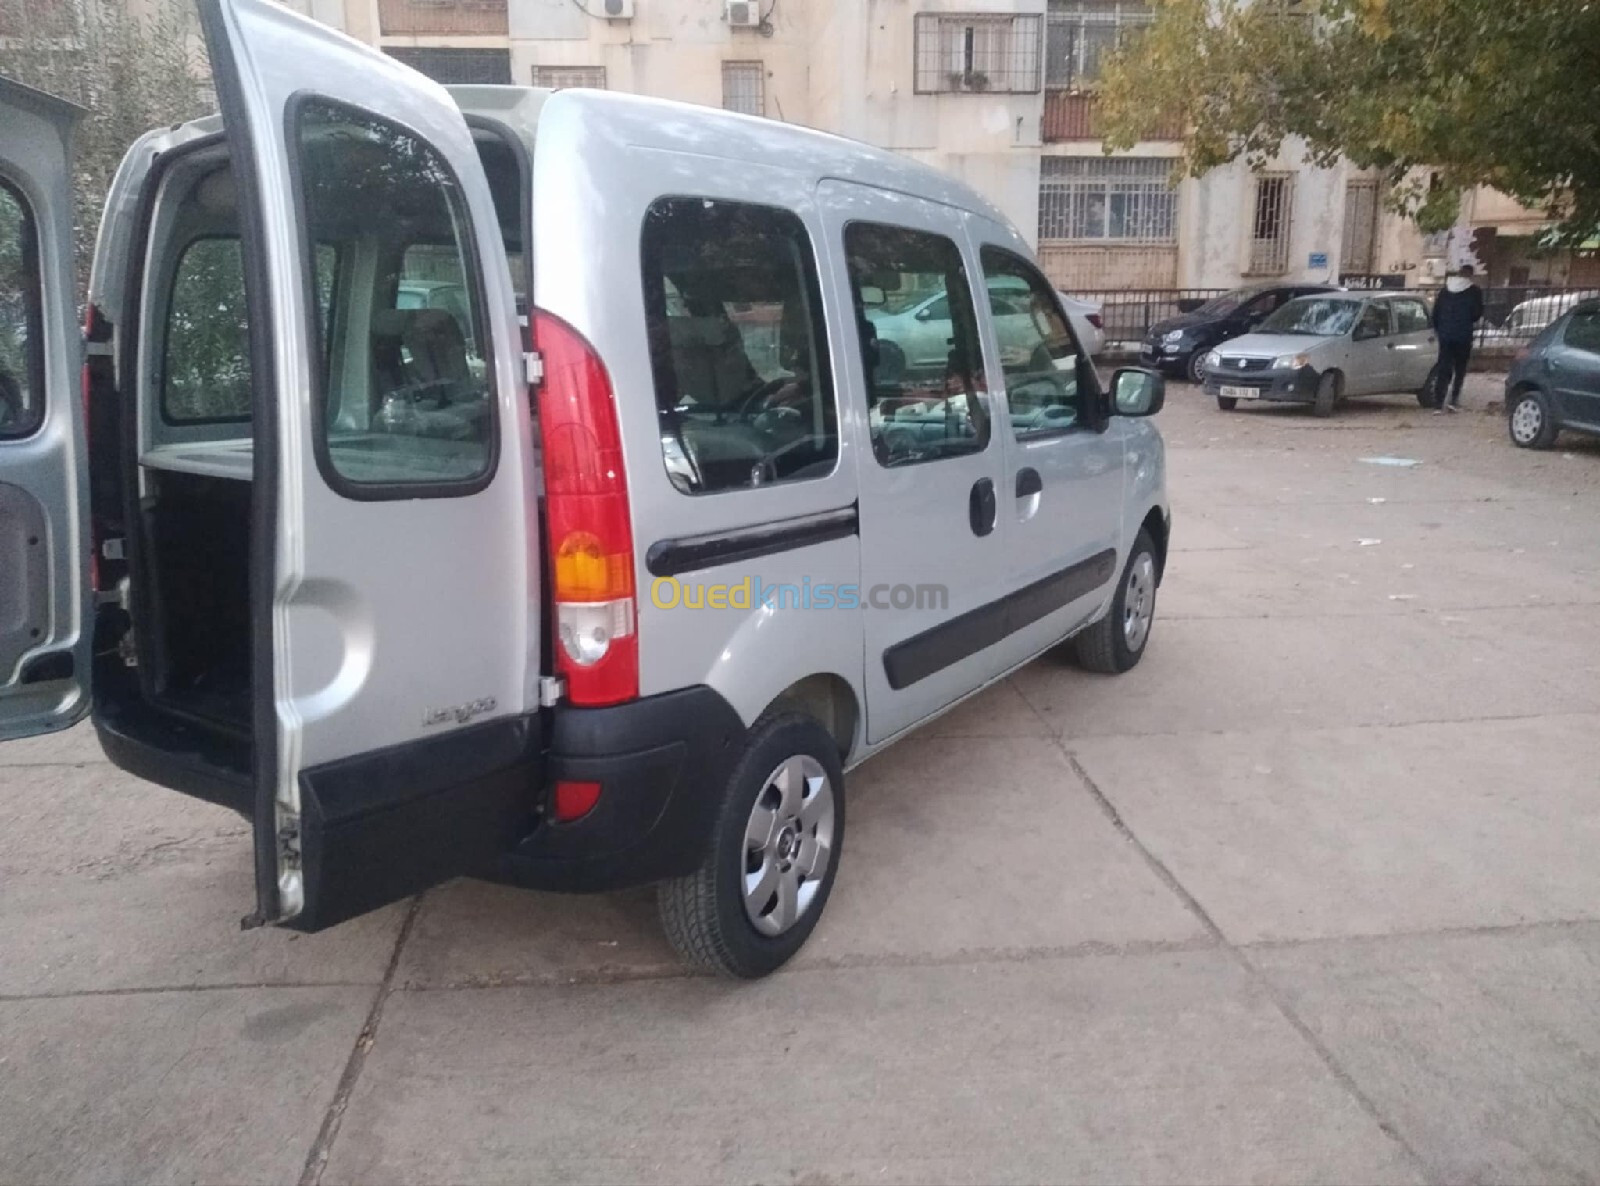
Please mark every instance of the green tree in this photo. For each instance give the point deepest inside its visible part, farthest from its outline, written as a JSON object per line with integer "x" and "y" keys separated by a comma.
{"x": 1476, "y": 92}
{"x": 133, "y": 66}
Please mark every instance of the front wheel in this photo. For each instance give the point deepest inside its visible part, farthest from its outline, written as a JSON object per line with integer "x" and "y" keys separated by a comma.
{"x": 1116, "y": 642}
{"x": 1530, "y": 421}
{"x": 774, "y": 849}
{"x": 1195, "y": 368}
{"x": 1327, "y": 394}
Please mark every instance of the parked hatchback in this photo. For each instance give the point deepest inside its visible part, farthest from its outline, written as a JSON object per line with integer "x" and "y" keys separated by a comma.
{"x": 1319, "y": 350}
{"x": 1555, "y": 383}
{"x": 1179, "y": 344}
{"x": 619, "y": 606}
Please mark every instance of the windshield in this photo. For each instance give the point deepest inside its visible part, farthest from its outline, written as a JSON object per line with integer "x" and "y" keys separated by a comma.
{"x": 1324, "y": 317}
{"x": 1221, "y": 306}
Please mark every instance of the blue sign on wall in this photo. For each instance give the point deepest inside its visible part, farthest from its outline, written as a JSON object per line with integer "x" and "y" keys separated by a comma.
{"x": 1319, "y": 259}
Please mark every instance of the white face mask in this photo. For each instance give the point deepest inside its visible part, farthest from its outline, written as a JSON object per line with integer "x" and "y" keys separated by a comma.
{"x": 1458, "y": 283}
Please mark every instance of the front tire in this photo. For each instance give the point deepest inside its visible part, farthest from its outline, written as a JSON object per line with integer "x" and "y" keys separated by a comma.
{"x": 1116, "y": 642}
{"x": 1531, "y": 422}
{"x": 774, "y": 850}
{"x": 1327, "y": 395}
{"x": 1195, "y": 368}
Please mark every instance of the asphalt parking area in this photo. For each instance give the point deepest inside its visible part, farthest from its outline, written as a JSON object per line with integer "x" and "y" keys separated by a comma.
{"x": 1311, "y": 895}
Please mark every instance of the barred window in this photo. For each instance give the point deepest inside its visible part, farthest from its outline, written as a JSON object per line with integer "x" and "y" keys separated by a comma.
{"x": 451, "y": 66}
{"x": 971, "y": 53}
{"x": 1269, "y": 243}
{"x": 561, "y": 77}
{"x": 744, "y": 87}
{"x": 1081, "y": 32}
{"x": 1124, "y": 199}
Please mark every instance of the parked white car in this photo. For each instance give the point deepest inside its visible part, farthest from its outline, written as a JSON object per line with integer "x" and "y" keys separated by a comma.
{"x": 603, "y": 575}
{"x": 1529, "y": 319}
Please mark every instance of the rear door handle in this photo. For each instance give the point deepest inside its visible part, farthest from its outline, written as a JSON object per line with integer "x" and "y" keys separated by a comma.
{"x": 981, "y": 507}
{"x": 1029, "y": 482}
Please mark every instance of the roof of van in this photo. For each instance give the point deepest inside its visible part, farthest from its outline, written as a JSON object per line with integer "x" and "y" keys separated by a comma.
{"x": 708, "y": 131}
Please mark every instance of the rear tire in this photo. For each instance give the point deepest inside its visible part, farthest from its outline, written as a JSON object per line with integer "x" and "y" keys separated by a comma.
{"x": 1116, "y": 642}
{"x": 1327, "y": 394}
{"x": 1227, "y": 402}
{"x": 774, "y": 849}
{"x": 1530, "y": 420}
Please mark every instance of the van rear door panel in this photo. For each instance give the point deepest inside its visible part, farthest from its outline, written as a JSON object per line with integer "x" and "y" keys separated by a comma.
{"x": 395, "y": 595}
{"x": 45, "y": 634}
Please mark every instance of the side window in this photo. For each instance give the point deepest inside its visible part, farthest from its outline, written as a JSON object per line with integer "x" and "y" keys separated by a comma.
{"x": 405, "y": 403}
{"x": 738, "y": 346}
{"x": 1583, "y": 331}
{"x": 1410, "y": 317}
{"x": 205, "y": 354}
{"x": 1374, "y": 322}
{"x": 21, "y": 319}
{"x": 925, "y": 383}
{"x": 1037, "y": 350}
{"x": 205, "y": 363}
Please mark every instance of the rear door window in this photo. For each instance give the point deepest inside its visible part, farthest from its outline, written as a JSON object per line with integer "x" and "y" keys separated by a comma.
{"x": 405, "y": 404}
{"x": 926, "y": 394}
{"x": 21, "y": 318}
{"x": 738, "y": 346}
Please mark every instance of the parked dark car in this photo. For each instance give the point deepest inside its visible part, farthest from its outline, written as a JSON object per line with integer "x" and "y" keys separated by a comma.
{"x": 1179, "y": 344}
{"x": 1555, "y": 382}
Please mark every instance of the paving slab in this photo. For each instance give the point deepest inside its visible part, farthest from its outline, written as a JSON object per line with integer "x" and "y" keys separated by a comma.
{"x": 181, "y": 1087}
{"x": 954, "y": 847}
{"x": 112, "y": 883}
{"x": 1281, "y": 673}
{"x": 1368, "y": 831}
{"x": 1482, "y": 1049}
{"x": 1169, "y": 1068}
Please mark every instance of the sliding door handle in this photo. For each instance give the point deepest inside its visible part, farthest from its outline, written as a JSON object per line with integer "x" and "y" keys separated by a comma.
{"x": 1029, "y": 482}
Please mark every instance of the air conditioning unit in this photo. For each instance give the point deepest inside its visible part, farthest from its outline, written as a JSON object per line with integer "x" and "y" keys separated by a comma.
{"x": 616, "y": 10}
{"x": 744, "y": 14}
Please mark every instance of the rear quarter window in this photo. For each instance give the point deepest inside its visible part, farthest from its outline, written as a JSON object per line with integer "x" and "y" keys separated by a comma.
{"x": 21, "y": 318}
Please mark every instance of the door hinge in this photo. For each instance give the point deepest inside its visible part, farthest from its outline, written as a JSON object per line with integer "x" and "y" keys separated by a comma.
{"x": 533, "y": 367}
{"x": 551, "y": 689}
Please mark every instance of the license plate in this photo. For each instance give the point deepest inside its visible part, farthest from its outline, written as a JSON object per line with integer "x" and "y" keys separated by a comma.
{"x": 1240, "y": 393}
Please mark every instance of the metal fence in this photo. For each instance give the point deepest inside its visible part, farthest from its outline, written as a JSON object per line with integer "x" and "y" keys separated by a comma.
{"x": 1513, "y": 316}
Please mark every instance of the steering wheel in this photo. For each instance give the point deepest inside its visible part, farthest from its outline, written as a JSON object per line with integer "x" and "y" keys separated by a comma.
{"x": 1052, "y": 380}
{"x": 767, "y": 467}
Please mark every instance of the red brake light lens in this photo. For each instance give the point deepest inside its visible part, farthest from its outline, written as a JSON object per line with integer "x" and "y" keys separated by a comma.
{"x": 574, "y": 800}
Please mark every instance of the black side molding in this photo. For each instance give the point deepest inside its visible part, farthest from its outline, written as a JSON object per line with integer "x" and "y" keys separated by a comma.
{"x": 689, "y": 553}
{"x": 950, "y": 642}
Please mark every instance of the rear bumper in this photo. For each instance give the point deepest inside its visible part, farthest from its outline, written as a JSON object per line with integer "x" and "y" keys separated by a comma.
{"x": 662, "y": 763}
{"x": 1293, "y": 387}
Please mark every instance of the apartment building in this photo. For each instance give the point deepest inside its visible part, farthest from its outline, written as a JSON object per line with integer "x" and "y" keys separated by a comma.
{"x": 997, "y": 92}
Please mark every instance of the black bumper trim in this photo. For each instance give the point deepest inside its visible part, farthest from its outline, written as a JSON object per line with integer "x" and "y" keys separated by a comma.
{"x": 662, "y": 763}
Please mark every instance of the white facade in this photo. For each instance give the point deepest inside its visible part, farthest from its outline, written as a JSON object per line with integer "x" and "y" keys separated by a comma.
{"x": 852, "y": 67}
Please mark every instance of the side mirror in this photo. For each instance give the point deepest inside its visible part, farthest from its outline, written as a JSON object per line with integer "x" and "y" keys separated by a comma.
{"x": 1137, "y": 392}
{"x": 872, "y": 296}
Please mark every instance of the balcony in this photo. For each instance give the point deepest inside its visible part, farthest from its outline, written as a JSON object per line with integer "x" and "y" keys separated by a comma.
{"x": 1070, "y": 115}
{"x": 443, "y": 18}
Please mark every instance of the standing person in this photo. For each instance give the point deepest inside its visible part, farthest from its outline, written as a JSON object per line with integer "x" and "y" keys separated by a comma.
{"x": 1456, "y": 313}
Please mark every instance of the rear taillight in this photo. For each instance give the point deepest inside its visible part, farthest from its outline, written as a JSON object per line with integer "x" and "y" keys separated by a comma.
{"x": 1096, "y": 320}
{"x": 586, "y": 512}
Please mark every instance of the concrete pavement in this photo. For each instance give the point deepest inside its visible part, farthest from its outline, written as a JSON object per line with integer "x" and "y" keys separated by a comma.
{"x": 1311, "y": 895}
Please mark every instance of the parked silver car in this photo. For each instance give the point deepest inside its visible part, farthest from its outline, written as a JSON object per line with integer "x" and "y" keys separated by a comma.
{"x": 619, "y": 606}
{"x": 1319, "y": 350}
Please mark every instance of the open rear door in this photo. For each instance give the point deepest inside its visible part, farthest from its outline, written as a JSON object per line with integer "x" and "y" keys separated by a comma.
{"x": 45, "y": 636}
{"x": 394, "y": 580}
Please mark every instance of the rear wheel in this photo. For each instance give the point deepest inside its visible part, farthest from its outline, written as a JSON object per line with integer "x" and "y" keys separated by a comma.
{"x": 1227, "y": 402}
{"x": 1530, "y": 420}
{"x": 1116, "y": 642}
{"x": 774, "y": 849}
{"x": 1327, "y": 394}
